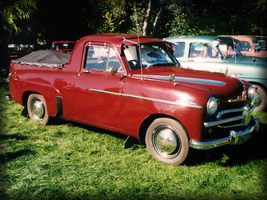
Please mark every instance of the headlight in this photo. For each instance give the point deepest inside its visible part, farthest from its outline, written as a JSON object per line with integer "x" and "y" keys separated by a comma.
{"x": 212, "y": 105}
{"x": 252, "y": 93}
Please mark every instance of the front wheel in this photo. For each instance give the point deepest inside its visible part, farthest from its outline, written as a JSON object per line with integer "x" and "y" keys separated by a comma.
{"x": 167, "y": 141}
{"x": 37, "y": 109}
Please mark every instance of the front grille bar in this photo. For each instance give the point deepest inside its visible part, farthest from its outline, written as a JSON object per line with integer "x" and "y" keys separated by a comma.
{"x": 231, "y": 111}
{"x": 219, "y": 122}
{"x": 223, "y": 121}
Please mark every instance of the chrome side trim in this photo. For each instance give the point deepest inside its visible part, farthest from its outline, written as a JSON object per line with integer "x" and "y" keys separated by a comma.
{"x": 186, "y": 79}
{"x": 105, "y": 92}
{"x": 234, "y": 138}
{"x": 148, "y": 99}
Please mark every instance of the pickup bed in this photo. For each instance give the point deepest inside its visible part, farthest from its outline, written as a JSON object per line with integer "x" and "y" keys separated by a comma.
{"x": 135, "y": 86}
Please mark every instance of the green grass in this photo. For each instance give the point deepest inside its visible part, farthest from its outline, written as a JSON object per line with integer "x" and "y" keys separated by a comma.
{"x": 68, "y": 160}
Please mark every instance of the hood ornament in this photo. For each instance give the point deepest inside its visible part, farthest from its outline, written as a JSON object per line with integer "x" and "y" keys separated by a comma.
{"x": 172, "y": 79}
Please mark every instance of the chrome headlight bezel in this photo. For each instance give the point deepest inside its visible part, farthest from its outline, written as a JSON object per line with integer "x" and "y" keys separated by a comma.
{"x": 212, "y": 105}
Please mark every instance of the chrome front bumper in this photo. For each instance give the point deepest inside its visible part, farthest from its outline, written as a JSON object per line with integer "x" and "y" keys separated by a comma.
{"x": 234, "y": 137}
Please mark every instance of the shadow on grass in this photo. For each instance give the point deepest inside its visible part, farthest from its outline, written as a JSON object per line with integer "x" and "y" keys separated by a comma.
{"x": 55, "y": 121}
{"x": 14, "y": 136}
{"x": 229, "y": 155}
{"x": 6, "y": 157}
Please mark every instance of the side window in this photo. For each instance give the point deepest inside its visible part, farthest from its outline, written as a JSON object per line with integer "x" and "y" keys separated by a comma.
{"x": 202, "y": 50}
{"x": 179, "y": 49}
{"x": 247, "y": 46}
{"x": 54, "y": 46}
{"x": 102, "y": 58}
{"x": 243, "y": 46}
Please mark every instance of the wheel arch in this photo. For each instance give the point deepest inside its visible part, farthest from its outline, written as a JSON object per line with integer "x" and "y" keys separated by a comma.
{"x": 57, "y": 112}
{"x": 259, "y": 84}
{"x": 26, "y": 95}
{"x": 146, "y": 123}
{"x": 263, "y": 93}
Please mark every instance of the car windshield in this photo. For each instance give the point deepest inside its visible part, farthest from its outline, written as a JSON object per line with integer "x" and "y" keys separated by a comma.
{"x": 152, "y": 54}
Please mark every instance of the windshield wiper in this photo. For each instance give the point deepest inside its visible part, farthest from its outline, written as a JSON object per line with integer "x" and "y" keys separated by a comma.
{"x": 161, "y": 64}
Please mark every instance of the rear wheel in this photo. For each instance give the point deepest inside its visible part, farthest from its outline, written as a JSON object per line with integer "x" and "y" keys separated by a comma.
{"x": 167, "y": 141}
{"x": 37, "y": 109}
{"x": 263, "y": 98}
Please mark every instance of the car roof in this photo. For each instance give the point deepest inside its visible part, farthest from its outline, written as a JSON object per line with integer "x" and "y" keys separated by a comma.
{"x": 116, "y": 38}
{"x": 200, "y": 38}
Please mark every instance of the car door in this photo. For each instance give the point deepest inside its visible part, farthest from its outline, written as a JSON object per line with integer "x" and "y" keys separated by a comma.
{"x": 98, "y": 90}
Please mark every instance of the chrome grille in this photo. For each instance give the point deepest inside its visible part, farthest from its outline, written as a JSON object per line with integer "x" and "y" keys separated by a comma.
{"x": 229, "y": 118}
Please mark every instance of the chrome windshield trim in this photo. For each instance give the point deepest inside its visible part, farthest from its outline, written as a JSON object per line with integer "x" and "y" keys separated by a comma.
{"x": 149, "y": 99}
{"x": 186, "y": 79}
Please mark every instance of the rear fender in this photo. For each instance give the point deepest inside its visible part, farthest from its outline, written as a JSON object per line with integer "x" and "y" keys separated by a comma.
{"x": 51, "y": 95}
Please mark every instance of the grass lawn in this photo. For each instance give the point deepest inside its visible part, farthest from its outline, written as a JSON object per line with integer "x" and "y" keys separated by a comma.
{"x": 68, "y": 160}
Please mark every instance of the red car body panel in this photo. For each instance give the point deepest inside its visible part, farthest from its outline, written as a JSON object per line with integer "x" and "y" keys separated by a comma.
{"x": 124, "y": 101}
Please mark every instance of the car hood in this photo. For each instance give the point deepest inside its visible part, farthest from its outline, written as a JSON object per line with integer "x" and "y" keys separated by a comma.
{"x": 217, "y": 84}
{"x": 247, "y": 60}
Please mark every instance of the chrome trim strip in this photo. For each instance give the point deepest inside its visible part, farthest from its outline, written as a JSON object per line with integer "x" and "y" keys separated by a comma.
{"x": 148, "y": 99}
{"x": 234, "y": 138}
{"x": 231, "y": 111}
{"x": 186, "y": 79}
{"x": 105, "y": 92}
{"x": 216, "y": 123}
{"x": 231, "y": 126}
{"x": 223, "y": 121}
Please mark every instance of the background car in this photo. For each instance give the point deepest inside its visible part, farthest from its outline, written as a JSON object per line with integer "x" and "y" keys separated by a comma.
{"x": 63, "y": 46}
{"x": 250, "y": 46}
{"x": 219, "y": 54}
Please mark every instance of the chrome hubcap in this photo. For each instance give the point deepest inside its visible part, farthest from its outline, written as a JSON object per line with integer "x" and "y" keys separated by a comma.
{"x": 166, "y": 141}
{"x": 38, "y": 109}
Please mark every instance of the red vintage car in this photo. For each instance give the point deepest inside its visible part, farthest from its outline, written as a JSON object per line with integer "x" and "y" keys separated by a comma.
{"x": 63, "y": 46}
{"x": 135, "y": 86}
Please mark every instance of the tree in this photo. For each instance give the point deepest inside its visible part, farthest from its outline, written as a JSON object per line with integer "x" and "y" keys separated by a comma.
{"x": 159, "y": 17}
{"x": 10, "y": 11}
{"x": 147, "y": 18}
{"x": 148, "y": 15}
{"x": 218, "y": 17}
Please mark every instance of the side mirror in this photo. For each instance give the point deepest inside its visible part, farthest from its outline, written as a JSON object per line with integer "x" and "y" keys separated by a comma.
{"x": 113, "y": 71}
